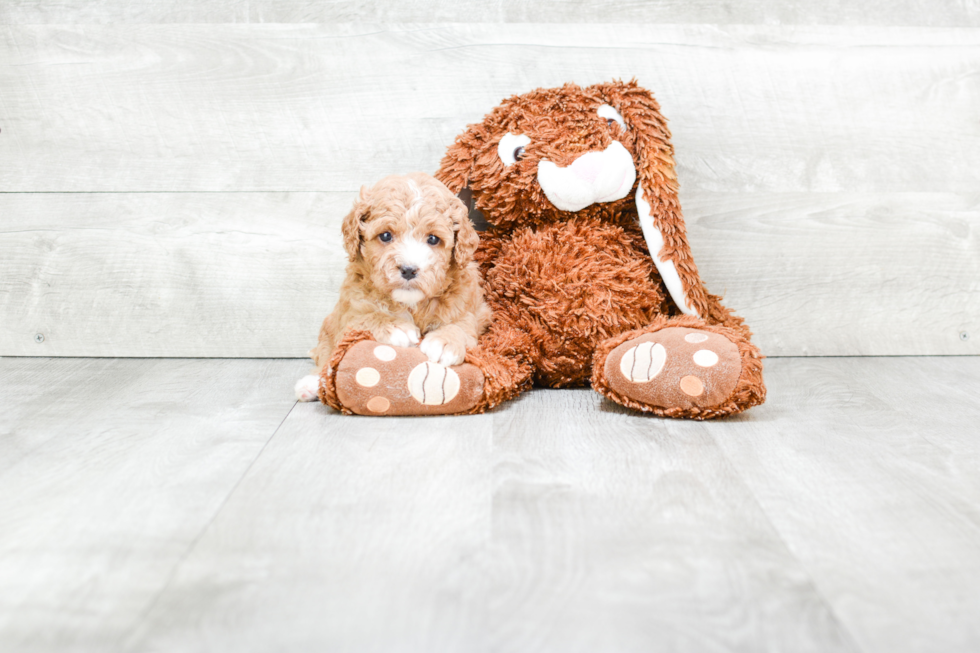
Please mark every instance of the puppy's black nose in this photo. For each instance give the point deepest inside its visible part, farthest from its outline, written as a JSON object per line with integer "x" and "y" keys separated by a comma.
{"x": 409, "y": 271}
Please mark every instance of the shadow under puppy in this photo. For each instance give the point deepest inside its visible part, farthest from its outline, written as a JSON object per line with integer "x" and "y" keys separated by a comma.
{"x": 411, "y": 279}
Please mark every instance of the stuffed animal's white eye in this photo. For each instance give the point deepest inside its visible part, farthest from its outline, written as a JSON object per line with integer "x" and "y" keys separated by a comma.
{"x": 606, "y": 111}
{"x": 511, "y": 147}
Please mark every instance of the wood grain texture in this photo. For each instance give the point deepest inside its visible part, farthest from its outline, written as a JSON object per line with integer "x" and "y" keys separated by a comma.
{"x": 845, "y": 273}
{"x": 840, "y": 515}
{"x": 328, "y": 107}
{"x": 172, "y": 274}
{"x": 254, "y": 274}
{"x": 616, "y": 532}
{"x": 884, "y": 463}
{"x": 109, "y": 471}
{"x": 425, "y": 535}
{"x": 947, "y": 13}
{"x": 351, "y": 534}
{"x": 829, "y": 174}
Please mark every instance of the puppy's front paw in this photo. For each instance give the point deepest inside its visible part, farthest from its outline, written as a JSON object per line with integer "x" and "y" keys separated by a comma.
{"x": 443, "y": 351}
{"x": 308, "y": 388}
{"x": 401, "y": 335}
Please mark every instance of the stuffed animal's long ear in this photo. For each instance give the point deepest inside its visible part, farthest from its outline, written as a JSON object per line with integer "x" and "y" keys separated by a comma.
{"x": 656, "y": 197}
{"x": 454, "y": 170}
{"x": 351, "y": 227}
{"x": 467, "y": 240}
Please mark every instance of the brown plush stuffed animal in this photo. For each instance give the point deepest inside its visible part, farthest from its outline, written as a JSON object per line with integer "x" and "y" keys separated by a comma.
{"x": 586, "y": 263}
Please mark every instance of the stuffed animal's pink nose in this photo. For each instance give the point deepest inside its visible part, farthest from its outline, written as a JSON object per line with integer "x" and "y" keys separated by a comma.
{"x": 587, "y": 166}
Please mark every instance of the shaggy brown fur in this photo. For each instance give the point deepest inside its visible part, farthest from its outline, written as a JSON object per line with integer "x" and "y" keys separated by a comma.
{"x": 388, "y": 227}
{"x": 567, "y": 287}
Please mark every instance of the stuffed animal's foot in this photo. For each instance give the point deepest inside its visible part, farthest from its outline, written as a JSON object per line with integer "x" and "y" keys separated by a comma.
{"x": 680, "y": 371}
{"x": 377, "y": 379}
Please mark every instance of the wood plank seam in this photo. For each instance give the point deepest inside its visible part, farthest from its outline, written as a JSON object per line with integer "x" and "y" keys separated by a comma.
{"x": 204, "y": 529}
{"x": 815, "y": 585}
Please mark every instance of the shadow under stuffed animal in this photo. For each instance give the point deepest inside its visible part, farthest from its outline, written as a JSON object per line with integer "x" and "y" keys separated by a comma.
{"x": 586, "y": 267}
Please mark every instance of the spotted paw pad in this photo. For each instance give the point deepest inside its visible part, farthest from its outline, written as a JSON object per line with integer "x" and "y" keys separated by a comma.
{"x": 375, "y": 379}
{"x": 676, "y": 366}
{"x": 433, "y": 384}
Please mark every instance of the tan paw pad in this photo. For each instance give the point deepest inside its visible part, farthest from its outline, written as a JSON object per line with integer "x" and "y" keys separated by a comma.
{"x": 378, "y": 404}
{"x": 433, "y": 384}
{"x": 692, "y": 386}
{"x": 705, "y": 358}
{"x": 385, "y": 353}
{"x": 643, "y": 363}
{"x": 367, "y": 377}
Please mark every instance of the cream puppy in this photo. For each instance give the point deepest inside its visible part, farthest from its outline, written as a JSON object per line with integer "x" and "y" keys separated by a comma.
{"x": 411, "y": 279}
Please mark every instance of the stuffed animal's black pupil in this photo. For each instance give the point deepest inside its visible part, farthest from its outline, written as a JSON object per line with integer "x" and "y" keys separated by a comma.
{"x": 385, "y": 237}
{"x": 610, "y": 121}
{"x": 519, "y": 153}
{"x": 433, "y": 240}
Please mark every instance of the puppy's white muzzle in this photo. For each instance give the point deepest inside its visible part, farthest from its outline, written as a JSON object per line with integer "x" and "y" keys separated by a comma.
{"x": 410, "y": 252}
{"x": 594, "y": 177}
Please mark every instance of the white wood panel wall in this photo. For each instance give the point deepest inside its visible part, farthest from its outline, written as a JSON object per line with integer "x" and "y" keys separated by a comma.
{"x": 176, "y": 189}
{"x": 916, "y": 13}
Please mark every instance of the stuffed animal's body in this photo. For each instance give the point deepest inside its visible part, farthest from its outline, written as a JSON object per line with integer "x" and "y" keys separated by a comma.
{"x": 586, "y": 263}
{"x": 569, "y": 286}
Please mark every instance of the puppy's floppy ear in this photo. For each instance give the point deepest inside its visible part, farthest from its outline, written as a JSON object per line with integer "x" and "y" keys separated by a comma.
{"x": 466, "y": 238}
{"x": 656, "y": 195}
{"x": 351, "y": 227}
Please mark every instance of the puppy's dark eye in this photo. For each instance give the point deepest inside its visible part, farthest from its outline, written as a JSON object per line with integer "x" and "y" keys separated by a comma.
{"x": 519, "y": 153}
{"x": 432, "y": 240}
{"x": 385, "y": 237}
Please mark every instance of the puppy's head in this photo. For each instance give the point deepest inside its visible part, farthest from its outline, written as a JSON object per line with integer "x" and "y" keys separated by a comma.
{"x": 411, "y": 234}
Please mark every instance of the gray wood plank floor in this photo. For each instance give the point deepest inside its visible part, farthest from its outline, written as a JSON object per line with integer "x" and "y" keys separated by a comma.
{"x": 191, "y": 505}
